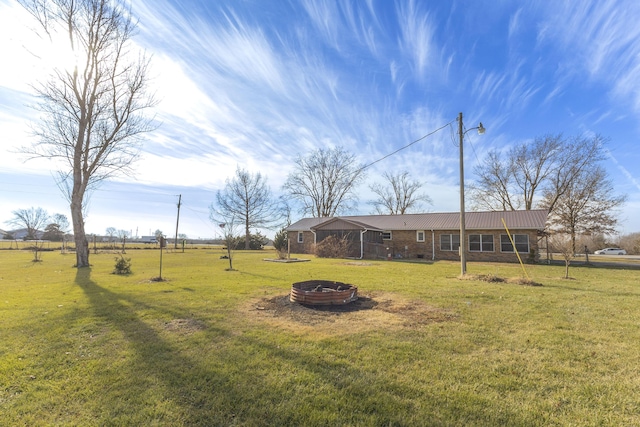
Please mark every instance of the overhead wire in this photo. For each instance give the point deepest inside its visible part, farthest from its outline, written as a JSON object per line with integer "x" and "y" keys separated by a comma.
{"x": 473, "y": 148}
{"x": 200, "y": 213}
{"x": 406, "y": 146}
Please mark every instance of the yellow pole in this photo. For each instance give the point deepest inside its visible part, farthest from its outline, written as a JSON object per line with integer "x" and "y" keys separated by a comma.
{"x": 514, "y": 248}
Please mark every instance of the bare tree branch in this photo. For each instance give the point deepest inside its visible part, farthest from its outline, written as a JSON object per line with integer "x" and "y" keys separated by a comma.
{"x": 93, "y": 112}
{"x": 247, "y": 198}
{"x": 324, "y": 182}
{"x": 33, "y": 219}
{"x": 587, "y": 205}
{"x": 494, "y": 188}
{"x": 399, "y": 196}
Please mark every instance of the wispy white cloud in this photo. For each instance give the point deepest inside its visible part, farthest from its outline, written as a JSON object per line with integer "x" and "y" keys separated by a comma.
{"x": 417, "y": 39}
{"x": 487, "y": 85}
{"x": 602, "y": 38}
{"x": 515, "y": 24}
{"x": 512, "y": 91}
{"x": 325, "y": 17}
{"x": 625, "y": 172}
{"x": 254, "y": 85}
{"x": 318, "y": 105}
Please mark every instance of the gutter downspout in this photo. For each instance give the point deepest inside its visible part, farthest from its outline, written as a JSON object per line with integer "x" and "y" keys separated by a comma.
{"x": 362, "y": 243}
{"x": 314, "y": 236}
{"x": 433, "y": 245}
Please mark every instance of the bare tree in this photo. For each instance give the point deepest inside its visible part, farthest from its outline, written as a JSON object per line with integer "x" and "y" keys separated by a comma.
{"x": 229, "y": 236}
{"x": 493, "y": 190}
{"x": 563, "y": 243}
{"x": 578, "y": 159}
{"x": 630, "y": 242}
{"x": 123, "y": 234}
{"x": 93, "y": 112}
{"x": 586, "y": 206}
{"x": 536, "y": 174}
{"x": 532, "y": 164}
{"x": 285, "y": 211}
{"x": 399, "y": 196}
{"x": 62, "y": 222}
{"x": 32, "y": 220}
{"x": 247, "y": 198}
{"x": 324, "y": 182}
{"x": 513, "y": 182}
{"x": 110, "y": 232}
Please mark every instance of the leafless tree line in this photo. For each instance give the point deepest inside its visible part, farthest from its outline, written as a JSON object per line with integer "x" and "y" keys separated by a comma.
{"x": 323, "y": 183}
{"x": 39, "y": 224}
{"x": 559, "y": 174}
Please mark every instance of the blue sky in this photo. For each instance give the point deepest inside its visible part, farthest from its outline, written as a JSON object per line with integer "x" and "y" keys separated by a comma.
{"x": 253, "y": 83}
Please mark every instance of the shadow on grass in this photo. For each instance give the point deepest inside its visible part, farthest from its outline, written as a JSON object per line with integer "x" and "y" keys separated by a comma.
{"x": 258, "y": 378}
{"x": 597, "y": 264}
{"x": 262, "y": 276}
{"x": 363, "y": 396}
{"x": 591, "y": 290}
{"x": 155, "y": 360}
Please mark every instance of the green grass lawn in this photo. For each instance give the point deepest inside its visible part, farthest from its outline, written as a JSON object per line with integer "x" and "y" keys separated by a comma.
{"x": 86, "y": 347}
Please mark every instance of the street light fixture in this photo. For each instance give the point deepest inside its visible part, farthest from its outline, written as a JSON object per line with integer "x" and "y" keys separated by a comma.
{"x": 462, "y": 248}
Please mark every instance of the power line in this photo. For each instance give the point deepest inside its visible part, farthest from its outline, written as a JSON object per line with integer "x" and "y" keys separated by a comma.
{"x": 406, "y": 146}
{"x": 473, "y": 148}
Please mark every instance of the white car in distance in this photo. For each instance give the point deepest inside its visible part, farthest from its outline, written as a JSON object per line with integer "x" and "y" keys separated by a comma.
{"x": 611, "y": 251}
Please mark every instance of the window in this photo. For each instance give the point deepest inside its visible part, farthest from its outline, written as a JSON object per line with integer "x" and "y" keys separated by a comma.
{"x": 386, "y": 235}
{"x": 481, "y": 242}
{"x": 420, "y": 236}
{"x": 300, "y": 239}
{"x": 449, "y": 242}
{"x": 521, "y": 241}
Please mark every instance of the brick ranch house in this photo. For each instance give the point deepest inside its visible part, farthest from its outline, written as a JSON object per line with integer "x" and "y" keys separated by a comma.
{"x": 433, "y": 236}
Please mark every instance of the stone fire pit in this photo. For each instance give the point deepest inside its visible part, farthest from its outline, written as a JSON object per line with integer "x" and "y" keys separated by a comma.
{"x": 323, "y": 292}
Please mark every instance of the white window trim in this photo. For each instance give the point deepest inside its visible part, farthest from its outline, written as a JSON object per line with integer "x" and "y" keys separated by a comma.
{"x": 481, "y": 242}
{"x": 450, "y": 236}
{"x": 300, "y": 237}
{"x": 514, "y": 238}
{"x": 424, "y": 236}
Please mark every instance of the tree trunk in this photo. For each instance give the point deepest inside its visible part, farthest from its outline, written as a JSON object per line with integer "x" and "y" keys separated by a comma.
{"x": 247, "y": 235}
{"x": 82, "y": 245}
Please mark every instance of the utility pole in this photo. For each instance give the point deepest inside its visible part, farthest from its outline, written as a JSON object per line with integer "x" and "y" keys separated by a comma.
{"x": 463, "y": 243}
{"x": 175, "y": 242}
{"x": 463, "y": 255}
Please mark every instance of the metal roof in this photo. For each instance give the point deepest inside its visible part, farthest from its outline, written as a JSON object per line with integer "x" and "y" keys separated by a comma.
{"x": 517, "y": 220}
{"x": 344, "y": 223}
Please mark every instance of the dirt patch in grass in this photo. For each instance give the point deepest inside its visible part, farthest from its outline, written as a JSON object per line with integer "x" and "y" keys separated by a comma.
{"x": 184, "y": 326}
{"x": 496, "y": 279}
{"x": 373, "y": 311}
{"x": 522, "y": 281}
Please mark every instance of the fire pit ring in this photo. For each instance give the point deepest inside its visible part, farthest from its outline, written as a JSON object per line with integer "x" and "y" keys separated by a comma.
{"x": 323, "y": 292}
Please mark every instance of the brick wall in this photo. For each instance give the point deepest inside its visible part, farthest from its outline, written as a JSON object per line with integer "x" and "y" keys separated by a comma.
{"x": 404, "y": 245}
{"x": 306, "y": 247}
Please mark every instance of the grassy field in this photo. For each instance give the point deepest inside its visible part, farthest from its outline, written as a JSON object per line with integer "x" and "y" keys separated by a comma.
{"x": 214, "y": 347}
